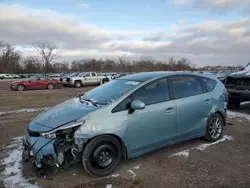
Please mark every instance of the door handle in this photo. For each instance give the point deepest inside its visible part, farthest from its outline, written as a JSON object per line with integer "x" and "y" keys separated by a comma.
{"x": 208, "y": 101}
{"x": 170, "y": 110}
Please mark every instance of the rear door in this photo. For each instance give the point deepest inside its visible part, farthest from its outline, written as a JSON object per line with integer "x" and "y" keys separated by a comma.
{"x": 43, "y": 82}
{"x": 193, "y": 105}
{"x": 94, "y": 78}
{"x": 87, "y": 79}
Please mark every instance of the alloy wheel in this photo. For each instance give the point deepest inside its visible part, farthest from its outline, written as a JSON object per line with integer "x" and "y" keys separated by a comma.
{"x": 215, "y": 127}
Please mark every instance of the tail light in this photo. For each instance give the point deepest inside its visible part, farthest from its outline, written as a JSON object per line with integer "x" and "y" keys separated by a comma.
{"x": 226, "y": 94}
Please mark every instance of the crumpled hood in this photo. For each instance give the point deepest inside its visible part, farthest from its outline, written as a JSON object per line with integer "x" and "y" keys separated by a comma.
{"x": 63, "y": 113}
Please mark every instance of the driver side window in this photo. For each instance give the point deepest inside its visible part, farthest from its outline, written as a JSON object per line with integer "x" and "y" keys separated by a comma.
{"x": 154, "y": 92}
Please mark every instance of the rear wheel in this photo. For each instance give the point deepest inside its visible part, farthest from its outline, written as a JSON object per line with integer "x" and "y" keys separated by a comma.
{"x": 78, "y": 84}
{"x": 20, "y": 87}
{"x": 51, "y": 86}
{"x": 101, "y": 156}
{"x": 233, "y": 103}
{"x": 214, "y": 128}
{"x": 105, "y": 80}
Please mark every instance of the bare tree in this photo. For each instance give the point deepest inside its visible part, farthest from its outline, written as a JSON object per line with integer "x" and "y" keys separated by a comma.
{"x": 48, "y": 53}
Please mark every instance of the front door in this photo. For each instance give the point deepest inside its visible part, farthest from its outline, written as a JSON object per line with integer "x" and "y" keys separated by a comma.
{"x": 154, "y": 126}
{"x": 193, "y": 106}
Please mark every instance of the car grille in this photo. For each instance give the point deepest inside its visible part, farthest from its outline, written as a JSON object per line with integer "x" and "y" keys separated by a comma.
{"x": 68, "y": 79}
{"x": 33, "y": 133}
{"x": 61, "y": 79}
{"x": 238, "y": 81}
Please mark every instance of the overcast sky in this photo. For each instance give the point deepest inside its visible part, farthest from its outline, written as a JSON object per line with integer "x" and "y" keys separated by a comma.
{"x": 207, "y": 32}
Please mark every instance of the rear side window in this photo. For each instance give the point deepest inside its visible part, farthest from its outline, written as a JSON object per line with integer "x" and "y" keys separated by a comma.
{"x": 209, "y": 83}
{"x": 186, "y": 86}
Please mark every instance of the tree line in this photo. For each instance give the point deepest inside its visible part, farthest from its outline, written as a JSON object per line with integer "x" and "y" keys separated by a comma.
{"x": 11, "y": 61}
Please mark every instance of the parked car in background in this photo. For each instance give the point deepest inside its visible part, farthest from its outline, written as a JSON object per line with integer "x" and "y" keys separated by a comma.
{"x": 126, "y": 118}
{"x": 87, "y": 78}
{"x": 238, "y": 87}
{"x": 8, "y": 76}
{"x": 35, "y": 83}
{"x": 118, "y": 75}
{"x": 64, "y": 77}
{"x": 221, "y": 75}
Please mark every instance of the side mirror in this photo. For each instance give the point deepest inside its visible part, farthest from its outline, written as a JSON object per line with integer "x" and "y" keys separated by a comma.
{"x": 137, "y": 105}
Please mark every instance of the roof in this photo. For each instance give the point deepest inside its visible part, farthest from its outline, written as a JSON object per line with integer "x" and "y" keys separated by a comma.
{"x": 145, "y": 76}
{"x": 142, "y": 77}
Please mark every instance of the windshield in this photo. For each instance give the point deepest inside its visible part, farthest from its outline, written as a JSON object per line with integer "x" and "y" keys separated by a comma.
{"x": 110, "y": 91}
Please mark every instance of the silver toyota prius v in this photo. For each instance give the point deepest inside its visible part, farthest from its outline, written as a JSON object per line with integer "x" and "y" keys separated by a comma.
{"x": 126, "y": 118}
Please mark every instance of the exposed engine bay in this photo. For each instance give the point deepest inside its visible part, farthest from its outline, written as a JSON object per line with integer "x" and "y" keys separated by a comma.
{"x": 65, "y": 151}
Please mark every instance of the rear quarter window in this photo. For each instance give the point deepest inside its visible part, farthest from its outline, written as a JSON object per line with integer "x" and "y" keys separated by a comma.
{"x": 209, "y": 83}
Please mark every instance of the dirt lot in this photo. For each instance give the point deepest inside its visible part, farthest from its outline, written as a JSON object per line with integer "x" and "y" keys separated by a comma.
{"x": 224, "y": 164}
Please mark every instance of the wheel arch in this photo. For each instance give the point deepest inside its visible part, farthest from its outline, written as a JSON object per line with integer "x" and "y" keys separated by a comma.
{"x": 223, "y": 117}
{"x": 123, "y": 145}
{"x": 21, "y": 84}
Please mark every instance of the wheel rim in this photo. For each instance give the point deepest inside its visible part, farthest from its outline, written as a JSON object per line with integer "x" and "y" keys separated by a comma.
{"x": 50, "y": 86}
{"x": 78, "y": 84}
{"x": 20, "y": 88}
{"x": 215, "y": 127}
{"x": 104, "y": 156}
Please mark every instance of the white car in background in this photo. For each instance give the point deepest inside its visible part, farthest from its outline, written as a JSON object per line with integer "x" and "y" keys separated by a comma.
{"x": 87, "y": 78}
{"x": 8, "y": 76}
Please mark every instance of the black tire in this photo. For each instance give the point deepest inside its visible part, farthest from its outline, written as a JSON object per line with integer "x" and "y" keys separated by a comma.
{"x": 218, "y": 130}
{"x": 78, "y": 84}
{"x": 20, "y": 87}
{"x": 233, "y": 103}
{"x": 105, "y": 80}
{"x": 51, "y": 86}
{"x": 92, "y": 156}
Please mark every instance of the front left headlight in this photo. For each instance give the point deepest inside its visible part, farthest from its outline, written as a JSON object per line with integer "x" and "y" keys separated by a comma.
{"x": 62, "y": 130}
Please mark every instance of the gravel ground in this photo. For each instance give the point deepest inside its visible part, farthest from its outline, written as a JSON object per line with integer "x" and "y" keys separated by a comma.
{"x": 225, "y": 164}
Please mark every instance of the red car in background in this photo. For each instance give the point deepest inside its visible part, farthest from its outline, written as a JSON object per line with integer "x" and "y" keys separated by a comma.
{"x": 35, "y": 83}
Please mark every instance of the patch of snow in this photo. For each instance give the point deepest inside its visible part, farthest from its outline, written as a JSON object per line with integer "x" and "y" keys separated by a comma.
{"x": 232, "y": 114}
{"x": 184, "y": 153}
{"x": 204, "y": 146}
{"x": 243, "y": 103}
{"x": 136, "y": 167}
{"x": 201, "y": 147}
{"x": 24, "y": 110}
{"x": 109, "y": 186}
{"x": 132, "y": 172}
{"x": 12, "y": 175}
{"x": 115, "y": 175}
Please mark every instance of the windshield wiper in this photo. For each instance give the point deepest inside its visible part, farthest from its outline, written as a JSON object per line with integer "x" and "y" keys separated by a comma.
{"x": 95, "y": 103}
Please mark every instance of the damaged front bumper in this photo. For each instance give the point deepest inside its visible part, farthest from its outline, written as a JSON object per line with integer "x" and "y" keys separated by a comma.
{"x": 39, "y": 150}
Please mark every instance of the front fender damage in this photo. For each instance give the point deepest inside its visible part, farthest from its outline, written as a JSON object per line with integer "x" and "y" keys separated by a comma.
{"x": 48, "y": 154}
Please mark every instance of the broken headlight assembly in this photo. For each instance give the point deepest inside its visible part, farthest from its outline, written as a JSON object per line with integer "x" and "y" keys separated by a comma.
{"x": 65, "y": 131}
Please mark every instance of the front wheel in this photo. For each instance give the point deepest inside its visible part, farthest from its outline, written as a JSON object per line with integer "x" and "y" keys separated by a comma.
{"x": 20, "y": 87}
{"x": 101, "y": 156}
{"x": 214, "y": 128}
